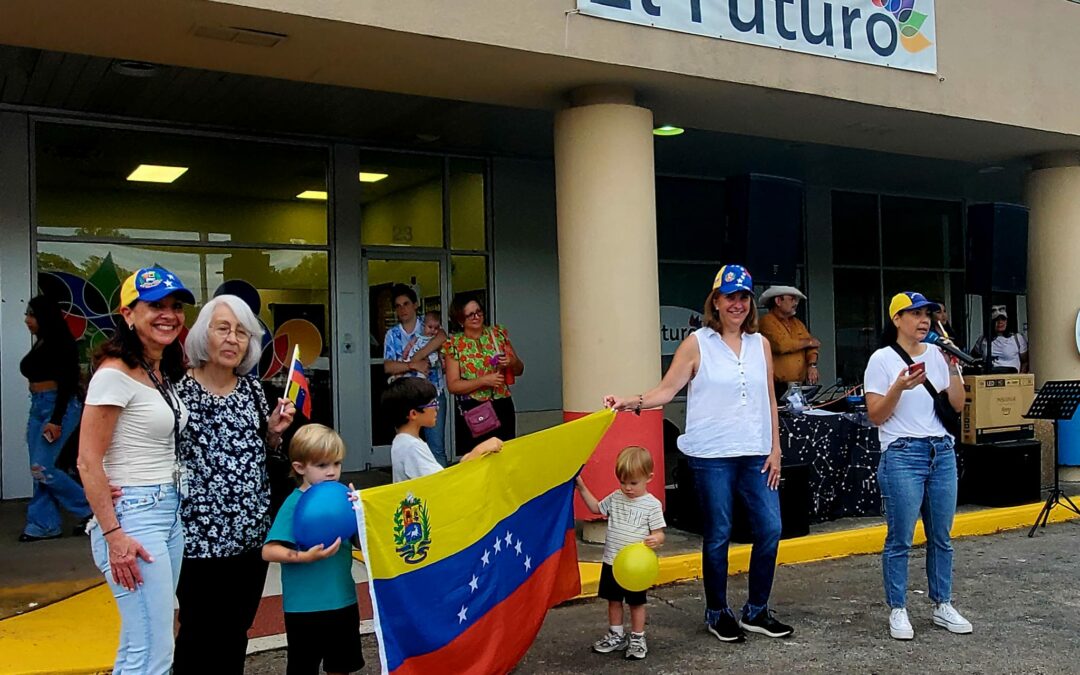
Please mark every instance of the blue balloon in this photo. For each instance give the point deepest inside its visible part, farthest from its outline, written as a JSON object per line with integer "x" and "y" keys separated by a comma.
{"x": 323, "y": 513}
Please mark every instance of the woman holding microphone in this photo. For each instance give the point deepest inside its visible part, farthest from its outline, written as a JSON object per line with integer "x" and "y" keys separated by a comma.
{"x": 917, "y": 471}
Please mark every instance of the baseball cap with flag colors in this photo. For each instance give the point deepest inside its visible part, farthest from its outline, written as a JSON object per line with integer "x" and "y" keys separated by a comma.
{"x": 732, "y": 279}
{"x": 153, "y": 283}
{"x": 901, "y": 302}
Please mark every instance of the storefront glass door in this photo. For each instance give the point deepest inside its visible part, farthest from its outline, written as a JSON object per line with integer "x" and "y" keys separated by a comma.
{"x": 424, "y": 274}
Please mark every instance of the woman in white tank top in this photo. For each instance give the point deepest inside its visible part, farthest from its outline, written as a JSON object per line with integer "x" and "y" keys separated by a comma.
{"x": 128, "y": 442}
{"x": 732, "y": 442}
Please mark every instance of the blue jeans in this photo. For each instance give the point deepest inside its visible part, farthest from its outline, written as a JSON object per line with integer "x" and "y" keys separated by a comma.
{"x": 717, "y": 481}
{"x": 52, "y": 488}
{"x": 151, "y": 515}
{"x": 918, "y": 476}
{"x": 435, "y": 437}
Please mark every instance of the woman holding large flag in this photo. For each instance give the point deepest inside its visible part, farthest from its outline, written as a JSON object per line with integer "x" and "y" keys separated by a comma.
{"x": 129, "y": 438}
{"x": 732, "y": 441}
{"x": 226, "y": 507}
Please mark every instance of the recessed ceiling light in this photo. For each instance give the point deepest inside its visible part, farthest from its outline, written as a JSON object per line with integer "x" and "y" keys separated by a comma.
{"x": 366, "y": 177}
{"x": 991, "y": 169}
{"x": 319, "y": 195}
{"x": 135, "y": 68}
{"x": 157, "y": 173}
{"x": 667, "y": 130}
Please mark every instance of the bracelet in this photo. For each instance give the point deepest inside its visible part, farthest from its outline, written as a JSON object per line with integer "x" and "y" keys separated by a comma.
{"x": 105, "y": 534}
{"x": 812, "y": 365}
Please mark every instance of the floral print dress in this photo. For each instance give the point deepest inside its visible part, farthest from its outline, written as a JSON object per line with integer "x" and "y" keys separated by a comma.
{"x": 476, "y": 358}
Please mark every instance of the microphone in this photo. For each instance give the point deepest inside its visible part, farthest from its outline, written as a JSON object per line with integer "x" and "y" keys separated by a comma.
{"x": 946, "y": 344}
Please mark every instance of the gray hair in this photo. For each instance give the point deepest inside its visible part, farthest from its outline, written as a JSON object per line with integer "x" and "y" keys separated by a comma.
{"x": 197, "y": 343}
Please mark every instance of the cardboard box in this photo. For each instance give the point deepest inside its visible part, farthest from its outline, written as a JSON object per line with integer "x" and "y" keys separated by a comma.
{"x": 994, "y": 406}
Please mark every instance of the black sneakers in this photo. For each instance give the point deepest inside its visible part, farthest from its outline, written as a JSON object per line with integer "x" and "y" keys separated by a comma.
{"x": 726, "y": 629}
{"x": 766, "y": 624}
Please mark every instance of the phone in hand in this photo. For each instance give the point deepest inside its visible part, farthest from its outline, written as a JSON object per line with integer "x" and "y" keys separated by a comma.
{"x": 916, "y": 368}
{"x": 48, "y": 436}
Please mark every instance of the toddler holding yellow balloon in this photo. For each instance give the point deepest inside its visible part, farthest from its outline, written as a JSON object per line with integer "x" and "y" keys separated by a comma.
{"x": 634, "y": 518}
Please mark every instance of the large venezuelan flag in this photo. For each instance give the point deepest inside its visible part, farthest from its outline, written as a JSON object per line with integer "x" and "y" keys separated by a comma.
{"x": 464, "y": 564}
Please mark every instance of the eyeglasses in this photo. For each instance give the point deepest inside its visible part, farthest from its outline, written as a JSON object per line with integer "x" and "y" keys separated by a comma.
{"x": 434, "y": 404}
{"x": 224, "y": 330}
{"x": 475, "y": 314}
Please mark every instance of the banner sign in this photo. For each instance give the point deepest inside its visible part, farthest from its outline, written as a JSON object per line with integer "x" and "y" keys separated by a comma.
{"x": 892, "y": 33}
{"x": 675, "y": 324}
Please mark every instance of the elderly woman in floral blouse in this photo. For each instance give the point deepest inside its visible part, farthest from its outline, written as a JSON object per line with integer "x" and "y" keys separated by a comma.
{"x": 480, "y": 367}
{"x": 225, "y": 506}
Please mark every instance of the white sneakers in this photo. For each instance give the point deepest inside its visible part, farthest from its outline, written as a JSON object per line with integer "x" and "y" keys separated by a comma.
{"x": 899, "y": 625}
{"x": 945, "y": 615}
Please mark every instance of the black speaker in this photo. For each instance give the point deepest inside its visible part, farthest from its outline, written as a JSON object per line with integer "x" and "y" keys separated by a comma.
{"x": 1002, "y": 474}
{"x": 997, "y": 237}
{"x": 764, "y": 227}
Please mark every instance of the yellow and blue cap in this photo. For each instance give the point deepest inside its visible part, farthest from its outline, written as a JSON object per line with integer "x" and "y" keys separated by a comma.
{"x": 902, "y": 302}
{"x": 732, "y": 279}
{"x": 153, "y": 283}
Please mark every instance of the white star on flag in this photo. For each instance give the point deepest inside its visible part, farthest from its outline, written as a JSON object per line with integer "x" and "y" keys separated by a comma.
{"x": 528, "y": 563}
{"x": 461, "y": 614}
{"x": 498, "y": 545}
{"x": 473, "y": 585}
{"x": 518, "y": 547}
{"x": 509, "y": 538}
{"x": 484, "y": 558}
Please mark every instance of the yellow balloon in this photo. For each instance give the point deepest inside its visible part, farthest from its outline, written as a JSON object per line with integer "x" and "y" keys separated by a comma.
{"x": 636, "y": 567}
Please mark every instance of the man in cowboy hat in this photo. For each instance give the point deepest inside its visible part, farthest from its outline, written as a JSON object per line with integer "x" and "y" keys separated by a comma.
{"x": 795, "y": 350}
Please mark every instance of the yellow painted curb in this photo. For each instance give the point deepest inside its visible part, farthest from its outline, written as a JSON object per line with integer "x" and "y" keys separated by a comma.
{"x": 79, "y": 635}
{"x": 863, "y": 540}
{"x": 76, "y": 635}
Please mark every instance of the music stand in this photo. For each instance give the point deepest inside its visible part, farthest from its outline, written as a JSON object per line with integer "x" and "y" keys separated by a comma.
{"x": 1055, "y": 401}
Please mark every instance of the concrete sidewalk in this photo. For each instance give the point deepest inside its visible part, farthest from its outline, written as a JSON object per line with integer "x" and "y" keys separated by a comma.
{"x": 1021, "y": 595}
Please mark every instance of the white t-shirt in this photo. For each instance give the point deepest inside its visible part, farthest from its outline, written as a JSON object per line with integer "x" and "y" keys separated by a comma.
{"x": 142, "y": 450}
{"x": 629, "y": 521}
{"x": 410, "y": 458}
{"x": 914, "y": 416}
{"x": 1005, "y": 351}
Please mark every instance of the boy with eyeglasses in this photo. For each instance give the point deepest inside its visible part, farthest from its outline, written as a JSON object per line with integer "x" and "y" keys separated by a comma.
{"x": 412, "y": 404}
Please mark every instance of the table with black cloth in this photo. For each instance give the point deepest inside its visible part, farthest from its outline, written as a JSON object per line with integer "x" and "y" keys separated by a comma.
{"x": 843, "y": 459}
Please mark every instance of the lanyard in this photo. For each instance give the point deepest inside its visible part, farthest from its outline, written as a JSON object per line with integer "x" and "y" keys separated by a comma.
{"x": 172, "y": 400}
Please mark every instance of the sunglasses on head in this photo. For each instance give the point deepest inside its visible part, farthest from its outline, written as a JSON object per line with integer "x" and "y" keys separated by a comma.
{"x": 433, "y": 404}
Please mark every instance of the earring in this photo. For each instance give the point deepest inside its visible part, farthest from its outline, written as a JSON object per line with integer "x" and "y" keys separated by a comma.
{"x": 131, "y": 326}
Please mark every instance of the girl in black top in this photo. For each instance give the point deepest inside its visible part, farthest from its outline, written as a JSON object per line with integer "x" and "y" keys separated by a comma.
{"x": 52, "y": 369}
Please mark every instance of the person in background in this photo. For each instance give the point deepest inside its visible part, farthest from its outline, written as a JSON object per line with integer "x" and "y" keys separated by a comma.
{"x": 226, "y": 507}
{"x": 51, "y": 368}
{"x": 732, "y": 443}
{"x": 917, "y": 470}
{"x": 479, "y": 362}
{"x": 1008, "y": 349}
{"x": 794, "y": 349}
{"x": 941, "y": 322}
{"x": 129, "y": 440}
{"x": 407, "y": 352}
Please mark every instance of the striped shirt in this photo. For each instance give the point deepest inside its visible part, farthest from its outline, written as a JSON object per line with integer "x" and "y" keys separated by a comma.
{"x": 629, "y": 521}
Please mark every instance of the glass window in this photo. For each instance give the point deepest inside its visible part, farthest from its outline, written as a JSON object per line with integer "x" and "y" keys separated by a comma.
{"x": 467, "y": 205}
{"x": 227, "y": 218}
{"x": 690, "y": 216}
{"x": 402, "y": 200}
{"x": 288, "y": 288}
{"x": 916, "y": 232}
{"x": 97, "y": 182}
{"x": 855, "y": 228}
{"x": 857, "y": 295}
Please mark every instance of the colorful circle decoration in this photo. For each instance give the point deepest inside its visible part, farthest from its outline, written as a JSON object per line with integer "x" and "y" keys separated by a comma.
{"x": 909, "y": 23}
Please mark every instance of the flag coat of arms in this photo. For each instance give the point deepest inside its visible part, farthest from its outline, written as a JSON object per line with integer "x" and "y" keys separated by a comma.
{"x": 297, "y": 388}
{"x": 464, "y": 564}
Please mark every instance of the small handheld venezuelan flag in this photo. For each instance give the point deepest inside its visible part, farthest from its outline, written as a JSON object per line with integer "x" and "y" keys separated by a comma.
{"x": 297, "y": 389}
